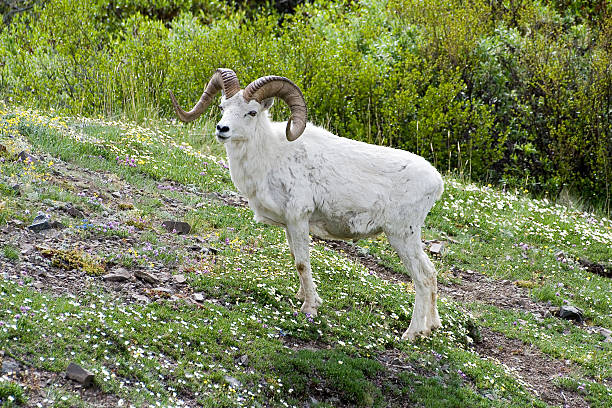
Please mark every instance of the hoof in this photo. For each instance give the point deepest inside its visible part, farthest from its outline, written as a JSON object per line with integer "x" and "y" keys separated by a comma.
{"x": 309, "y": 310}
{"x": 411, "y": 335}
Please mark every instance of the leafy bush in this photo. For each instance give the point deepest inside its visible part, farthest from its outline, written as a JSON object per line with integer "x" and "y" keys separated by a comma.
{"x": 513, "y": 92}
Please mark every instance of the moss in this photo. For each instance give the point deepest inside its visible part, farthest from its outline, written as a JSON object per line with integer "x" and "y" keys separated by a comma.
{"x": 74, "y": 259}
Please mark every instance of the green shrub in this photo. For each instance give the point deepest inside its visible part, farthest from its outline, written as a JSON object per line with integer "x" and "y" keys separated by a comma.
{"x": 517, "y": 93}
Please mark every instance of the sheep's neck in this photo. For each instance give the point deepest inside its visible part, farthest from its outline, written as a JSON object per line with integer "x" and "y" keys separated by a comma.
{"x": 250, "y": 161}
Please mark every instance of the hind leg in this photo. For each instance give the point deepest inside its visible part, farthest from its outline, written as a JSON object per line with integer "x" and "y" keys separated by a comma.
{"x": 425, "y": 314}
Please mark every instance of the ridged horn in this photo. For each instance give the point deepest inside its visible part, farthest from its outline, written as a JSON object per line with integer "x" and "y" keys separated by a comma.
{"x": 283, "y": 88}
{"x": 223, "y": 79}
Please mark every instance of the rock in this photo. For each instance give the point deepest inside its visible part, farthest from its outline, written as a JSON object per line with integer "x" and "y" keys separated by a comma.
{"x": 436, "y": 247}
{"x": 179, "y": 278}
{"x": 26, "y": 157}
{"x": 73, "y": 211}
{"x": 198, "y": 297}
{"x": 116, "y": 194}
{"x": 17, "y": 223}
{"x": 120, "y": 275}
{"x": 244, "y": 359}
{"x": 234, "y": 383}
{"x": 10, "y": 366}
{"x": 26, "y": 249}
{"x": 178, "y": 227}
{"x": 141, "y": 298}
{"x": 163, "y": 289}
{"x": 42, "y": 222}
{"x": 571, "y": 313}
{"x": 607, "y": 333}
{"x": 146, "y": 276}
{"x": 77, "y": 373}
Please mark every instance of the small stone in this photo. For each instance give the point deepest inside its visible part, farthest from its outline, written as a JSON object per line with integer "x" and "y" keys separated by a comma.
{"x": 178, "y": 227}
{"x": 120, "y": 275}
{"x": 244, "y": 359}
{"x": 116, "y": 194}
{"x": 571, "y": 313}
{"x": 17, "y": 189}
{"x": 73, "y": 211}
{"x": 38, "y": 285}
{"x": 234, "y": 383}
{"x": 17, "y": 223}
{"x": 126, "y": 206}
{"x": 10, "y": 366}
{"x": 180, "y": 278}
{"x": 163, "y": 291}
{"x": 436, "y": 247}
{"x": 198, "y": 297}
{"x": 40, "y": 223}
{"x": 77, "y": 373}
{"x": 607, "y": 333}
{"x": 146, "y": 276}
{"x": 141, "y": 298}
{"x": 195, "y": 247}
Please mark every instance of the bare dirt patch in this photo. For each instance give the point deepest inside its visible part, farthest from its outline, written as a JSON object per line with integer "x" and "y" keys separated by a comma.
{"x": 534, "y": 368}
{"x": 41, "y": 383}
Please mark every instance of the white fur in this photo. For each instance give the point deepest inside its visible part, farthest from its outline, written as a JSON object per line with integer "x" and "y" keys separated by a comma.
{"x": 334, "y": 188}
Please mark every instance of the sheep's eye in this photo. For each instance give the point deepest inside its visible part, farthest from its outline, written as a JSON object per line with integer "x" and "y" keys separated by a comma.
{"x": 252, "y": 113}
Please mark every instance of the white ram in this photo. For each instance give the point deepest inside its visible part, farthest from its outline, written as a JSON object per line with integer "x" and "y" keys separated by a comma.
{"x": 323, "y": 184}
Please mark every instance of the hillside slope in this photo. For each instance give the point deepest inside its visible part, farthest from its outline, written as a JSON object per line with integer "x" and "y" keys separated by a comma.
{"x": 209, "y": 318}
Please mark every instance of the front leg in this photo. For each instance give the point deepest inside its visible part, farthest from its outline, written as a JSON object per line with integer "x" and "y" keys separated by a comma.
{"x": 299, "y": 240}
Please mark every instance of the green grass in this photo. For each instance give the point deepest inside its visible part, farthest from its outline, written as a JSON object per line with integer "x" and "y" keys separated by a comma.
{"x": 11, "y": 394}
{"x": 11, "y": 253}
{"x": 171, "y": 350}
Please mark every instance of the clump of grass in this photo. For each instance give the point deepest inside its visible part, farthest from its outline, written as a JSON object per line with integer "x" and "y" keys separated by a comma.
{"x": 11, "y": 394}
{"x": 74, "y": 259}
{"x": 11, "y": 253}
{"x": 349, "y": 378}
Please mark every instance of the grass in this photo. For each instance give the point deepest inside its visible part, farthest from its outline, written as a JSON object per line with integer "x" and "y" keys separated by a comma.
{"x": 11, "y": 253}
{"x": 246, "y": 344}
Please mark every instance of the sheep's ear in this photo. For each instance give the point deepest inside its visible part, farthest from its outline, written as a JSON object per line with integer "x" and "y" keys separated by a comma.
{"x": 267, "y": 103}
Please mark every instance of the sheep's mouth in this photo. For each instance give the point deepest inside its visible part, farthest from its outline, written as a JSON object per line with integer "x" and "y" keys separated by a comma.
{"x": 222, "y": 138}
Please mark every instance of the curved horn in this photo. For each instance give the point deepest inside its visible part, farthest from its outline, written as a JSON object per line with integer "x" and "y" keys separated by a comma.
{"x": 281, "y": 87}
{"x": 223, "y": 78}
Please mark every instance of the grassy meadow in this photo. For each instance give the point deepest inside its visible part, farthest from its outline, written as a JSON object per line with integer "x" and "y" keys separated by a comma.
{"x": 231, "y": 334}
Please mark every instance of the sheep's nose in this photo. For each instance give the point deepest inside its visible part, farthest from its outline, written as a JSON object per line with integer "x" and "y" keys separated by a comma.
{"x": 222, "y": 129}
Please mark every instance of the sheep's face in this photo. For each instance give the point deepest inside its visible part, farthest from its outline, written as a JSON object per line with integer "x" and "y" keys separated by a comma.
{"x": 240, "y": 117}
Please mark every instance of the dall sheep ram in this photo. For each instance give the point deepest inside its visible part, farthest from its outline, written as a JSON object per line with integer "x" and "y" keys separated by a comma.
{"x": 323, "y": 184}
